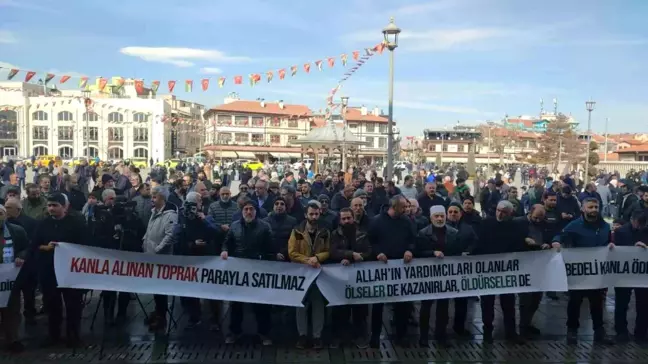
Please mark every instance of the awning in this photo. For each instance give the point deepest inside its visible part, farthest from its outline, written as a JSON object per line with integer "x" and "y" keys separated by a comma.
{"x": 226, "y": 154}
{"x": 293, "y": 155}
{"x": 246, "y": 155}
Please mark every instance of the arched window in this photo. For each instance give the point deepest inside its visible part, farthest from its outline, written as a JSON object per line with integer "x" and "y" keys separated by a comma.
{"x": 115, "y": 153}
{"x": 94, "y": 152}
{"x": 141, "y": 153}
{"x": 8, "y": 125}
{"x": 65, "y": 116}
{"x": 115, "y": 117}
{"x": 140, "y": 117}
{"x": 66, "y": 152}
{"x": 90, "y": 116}
{"x": 39, "y": 115}
{"x": 40, "y": 150}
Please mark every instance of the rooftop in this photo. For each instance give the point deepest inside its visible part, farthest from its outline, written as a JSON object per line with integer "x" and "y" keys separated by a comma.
{"x": 265, "y": 108}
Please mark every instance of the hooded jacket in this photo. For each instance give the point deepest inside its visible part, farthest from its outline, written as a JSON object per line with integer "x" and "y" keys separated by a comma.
{"x": 301, "y": 247}
{"x": 159, "y": 232}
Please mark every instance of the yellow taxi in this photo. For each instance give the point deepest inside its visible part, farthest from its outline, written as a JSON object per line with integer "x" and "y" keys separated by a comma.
{"x": 44, "y": 160}
{"x": 139, "y": 163}
{"x": 253, "y": 165}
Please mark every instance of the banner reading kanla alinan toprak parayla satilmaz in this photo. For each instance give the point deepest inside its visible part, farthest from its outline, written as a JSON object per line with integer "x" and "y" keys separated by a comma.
{"x": 8, "y": 274}
{"x": 241, "y": 280}
{"x": 437, "y": 278}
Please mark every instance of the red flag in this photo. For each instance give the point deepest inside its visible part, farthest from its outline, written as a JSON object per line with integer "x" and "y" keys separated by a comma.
{"x": 29, "y": 75}
{"x": 64, "y": 79}
{"x": 238, "y": 80}
{"x": 139, "y": 86}
{"x": 171, "y": 85}
{"x": 282, "y": 73}
{"x": 205, "y": 84}
{"x": 120, "y": 81}
{"x": 331, "y": 61}
{"x": 307, "y": 67}
{"x": 356, "y": 54}
{"x": 379, "y": 47}
{"x": 12, "y": 73}
{"x": 102, "y": 83}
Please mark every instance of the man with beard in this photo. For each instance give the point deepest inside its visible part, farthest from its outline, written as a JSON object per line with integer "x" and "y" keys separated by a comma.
{"x": 203, "y": 178}
{"x": 641, "y": 205}
{"x": 349, "y": 244}
{"x": 626, "y": 199}
{"x": 429, "y": 199}
{"x": 500, "y": 234}
{"x": 587, "y": 231}
{"x": 359, "y": 213}
{"x": 75, "y": 196}
{"x": 416, "y": 215}
{"x": 437, "y": 240}
{"x": 309, "y": 244}
{"x": 567, "y": 206}
{"x": 318, "y": 185}
{"x": 249, "y": 238}
{"x": 293, "y": 207}
{"x": 328, "y": 218}
{"x": 222, "y": 212}
{"x": 392, "y": 236}
{"x": 35, "y": 204}
{"x": 282, "y": 225}
{"x": 143, "y": 203}
{"x": 408, "y": 189}
{"x": 306, "y": 195}
{"x": 469, "y": 215}
{"x": 177, "y": 195}
{"x": 375, "y": 199}
{"x": 343, "y": 198}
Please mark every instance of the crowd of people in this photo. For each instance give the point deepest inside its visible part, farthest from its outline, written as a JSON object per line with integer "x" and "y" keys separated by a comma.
{"x": 333, "y": 218}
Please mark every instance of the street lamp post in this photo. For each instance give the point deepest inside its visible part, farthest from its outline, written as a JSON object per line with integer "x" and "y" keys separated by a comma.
{"x": 390, "y": 32}
{"x": 88, "y": 103}
{"x": 589, "y": 105}
{"x": 345, "y": 103}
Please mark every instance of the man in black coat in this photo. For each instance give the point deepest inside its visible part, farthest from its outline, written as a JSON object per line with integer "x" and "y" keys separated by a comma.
{"x": 282, "y": 225}
{"x": 430, "y": 198}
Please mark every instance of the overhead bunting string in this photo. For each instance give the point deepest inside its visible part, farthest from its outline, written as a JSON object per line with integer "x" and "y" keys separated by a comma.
{"x": 254, "y": 78}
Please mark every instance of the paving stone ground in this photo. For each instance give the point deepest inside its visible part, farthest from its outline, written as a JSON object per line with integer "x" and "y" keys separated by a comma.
{"x": 133, "y": 343}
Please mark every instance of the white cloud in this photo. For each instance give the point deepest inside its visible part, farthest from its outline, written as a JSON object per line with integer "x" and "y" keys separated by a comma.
{"x": 7, "y": 37}
{"x": 180, "y": 57}
{"x": 211, "y": 70}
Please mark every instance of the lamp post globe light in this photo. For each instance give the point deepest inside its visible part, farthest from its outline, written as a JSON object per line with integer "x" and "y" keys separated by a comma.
{"x": 390, "y": 33}
{"x": 589, "y": 106}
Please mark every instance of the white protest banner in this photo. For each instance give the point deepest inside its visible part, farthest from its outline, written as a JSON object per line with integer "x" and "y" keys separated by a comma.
{"x": 241, "y": 280}
{"x": 8, "y": 274}
{"x": 593, "y": 268}
{"x": 449, "y": 277}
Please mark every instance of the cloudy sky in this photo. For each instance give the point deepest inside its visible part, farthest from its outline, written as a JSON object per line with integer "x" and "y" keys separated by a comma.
{"x": 467, "y": 60}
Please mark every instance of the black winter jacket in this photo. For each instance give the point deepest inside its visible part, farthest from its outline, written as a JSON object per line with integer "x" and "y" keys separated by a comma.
{"x": 282, "y": 226}
{"x": 427, "y": 243}
{"x": 251, "y": 241}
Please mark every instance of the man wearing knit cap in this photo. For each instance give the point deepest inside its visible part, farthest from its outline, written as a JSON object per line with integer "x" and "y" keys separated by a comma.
{"x": 328, "y": 218}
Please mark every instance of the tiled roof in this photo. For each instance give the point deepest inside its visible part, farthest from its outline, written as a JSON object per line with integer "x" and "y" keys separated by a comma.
{"x": 613, "y": 157}
{"x": 354, "y": 114}
{"x": 636, "y": 148}
{"x": 526, "y": 122}
{"x": 632, "y": 141}
{"x": 318, "y": 122}
{"x": 269, "y": 108}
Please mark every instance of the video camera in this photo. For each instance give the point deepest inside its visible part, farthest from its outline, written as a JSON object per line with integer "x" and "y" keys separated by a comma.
{"x": 120, "y": 211}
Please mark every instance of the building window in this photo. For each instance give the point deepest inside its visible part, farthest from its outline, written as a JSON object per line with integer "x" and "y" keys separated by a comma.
{"x": 370, "y": 142}
{"x": 115, "y": 135}
{"x": 115, "y": 117}
{"x": 8, "y": 125}
{"x": 224, "y": 137}
{"x": 90, "y": 116}
{"x": 276, "y": 122}
{"x": 382, "y": 142}
{"x": 94, "y": 152}
{"x": 40, "y": 150}
{"x": 353, "y": 126}
{"x": 66, "y": 133}
{"x": 465, "y": 148}
{"x": 66, "y": 152}
{"x": 241, "y": 138}
{"x": 293, "y": 124}
{"x": 224, "y": 120}
{"x": 370, "y": 128}
{"x": 445, "y": 147}
{"x": 115, "y": 153}
{"x": 140, "y": 134}
{"x": 292, "y": 137}
{"x": 140, "y": 118}
{"x": 94, "y": 133}
{"x": 39, "y": 116}
{"x": 65, "y": 116}
{"x": 40, "y": 133}
{"x": 275, "y": 139}
{"x": 141, "y": 153}
{"x": 241, "y": 120}
{"x": 383, "y": 129}
{"x": 257, "y": 121}
{"x": 257, "y": 138}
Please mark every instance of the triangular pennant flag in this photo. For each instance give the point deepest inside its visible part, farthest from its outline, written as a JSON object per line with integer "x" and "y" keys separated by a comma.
{"x": 64, "y": 79}
{"x": 269, "y": 76}
{"x": 356, "y": 55}
{"x": 380, "y": 47}
{"x": 344, "y": 59}
{"x": 83, "y": 82}
{"x": 282, "y": 73}
{"x": 256, "y": 77}
{"x": 29, "y": 76}
{"x": 221, "y": 82}
{"x": 139, "y": 86}
{"x": 368, "y": 52}
{"x": 293, "y": 70}
{"x": 12, "y": 73}
{"x": 155, "y": 85}
{"x": 188, "y": 85}
{"x": 102, "y": 83}
{"x": 331, "y": 61}
{"x": 171, "y": 85}
{"x": 49, "y": 77}
{"x": 319, "y": 65}
{"x": 307, "y": 67}
{"x": 120, "y": 82}
{"x": 205, "y": 84}
{"x": 251, "y": 77}
{"x": 238, "y": 80}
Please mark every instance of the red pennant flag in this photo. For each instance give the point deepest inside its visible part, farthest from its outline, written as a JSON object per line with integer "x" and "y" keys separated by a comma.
{"x": 331, "y": 61}
{"x": 356, "y": 55}
{"x": 139, "y": 86}
{"x": 282, "y": 73}
{"x": 120, "y": 81}
{"x": 29, "y": 75}
{"x": 12, "y": 74}
{"x": 205, "y": 84}
{"x": 49, "y": 77}
{"x": 171, "y": 85}
{"x": 102, "y": 83}
{"x": 307, "y": 67}
{"x": 380, "y": 47}
{"x": 238, "y": 80}
{"x": 64, "y": 79}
